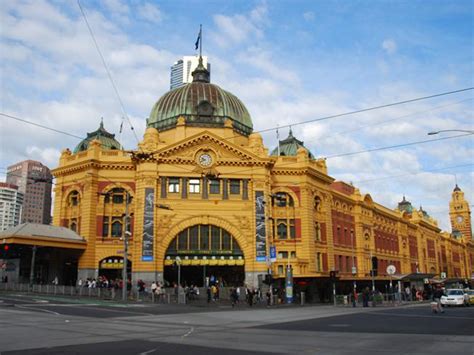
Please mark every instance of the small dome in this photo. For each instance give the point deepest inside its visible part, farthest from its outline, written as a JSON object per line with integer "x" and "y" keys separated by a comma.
{"x": 106, "y": 139}
{"x": 201, "y": 104}
{"x": 290, "y": 146}
{"x": 405, "y": 206}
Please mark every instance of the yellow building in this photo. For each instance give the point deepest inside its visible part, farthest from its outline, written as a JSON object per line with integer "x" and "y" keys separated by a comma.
{"x": 201, "y": 186}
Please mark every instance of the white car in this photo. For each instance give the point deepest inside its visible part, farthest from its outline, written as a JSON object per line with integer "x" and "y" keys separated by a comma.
{"x": 453, "y": 297}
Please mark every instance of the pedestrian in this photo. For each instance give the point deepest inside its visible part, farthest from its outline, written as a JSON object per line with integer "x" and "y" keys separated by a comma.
{"x": 438, "y": 293}
{"x": 209, "y": 294}
{"x": 269, "y": 297}
{"x": 365, "y": 297}
{"x": 233, "y": 296}
{"x": 408, "y": 293}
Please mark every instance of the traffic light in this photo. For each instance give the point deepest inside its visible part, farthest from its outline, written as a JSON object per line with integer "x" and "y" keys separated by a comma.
{"x": 4, "y": 250}
{"x": 268, "y": 279}
{"x": 375, "y": 263}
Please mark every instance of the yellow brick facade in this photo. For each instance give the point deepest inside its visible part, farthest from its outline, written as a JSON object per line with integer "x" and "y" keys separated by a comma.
{"x": 327, "y": 216}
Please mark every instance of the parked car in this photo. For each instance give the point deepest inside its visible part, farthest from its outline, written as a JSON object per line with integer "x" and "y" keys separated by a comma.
{"x": 470, "y": 296}
{"x": 454, "y": 297}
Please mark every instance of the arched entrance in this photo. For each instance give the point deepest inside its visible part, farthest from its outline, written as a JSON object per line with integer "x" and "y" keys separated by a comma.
{"x": 111, "y": 267}
{"x": 208, "y": 254}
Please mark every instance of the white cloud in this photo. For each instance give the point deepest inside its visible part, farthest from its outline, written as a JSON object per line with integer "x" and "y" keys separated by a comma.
{"x": 240, "y": 27}
{"x": 390, "y": 46}
{"x": 150, "y": 12}
{"x": 309, "y": 16}
{"x": 116, "y": 6}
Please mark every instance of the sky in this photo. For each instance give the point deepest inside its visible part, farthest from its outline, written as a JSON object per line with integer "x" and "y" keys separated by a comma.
{"x": 288, "y": 61}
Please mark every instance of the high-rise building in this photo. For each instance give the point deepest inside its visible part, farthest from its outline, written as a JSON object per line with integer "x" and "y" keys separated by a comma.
{"x": 11, "y": 201}
{"x": 182, "y": 69}
{"x": 34, "y": 180}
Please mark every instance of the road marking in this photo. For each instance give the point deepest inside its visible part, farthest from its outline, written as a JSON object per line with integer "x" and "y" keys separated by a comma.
{"x": 188, "y": 333}
{"x": 38, "y": 309}
{"x": 148, "y": 352}
{"x": 419, "y": 315}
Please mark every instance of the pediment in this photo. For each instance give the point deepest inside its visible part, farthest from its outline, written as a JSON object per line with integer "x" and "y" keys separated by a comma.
{"x": 224, "y": 151}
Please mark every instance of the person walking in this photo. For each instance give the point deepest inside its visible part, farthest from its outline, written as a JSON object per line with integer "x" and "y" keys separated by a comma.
{"x": 438, "y": 293}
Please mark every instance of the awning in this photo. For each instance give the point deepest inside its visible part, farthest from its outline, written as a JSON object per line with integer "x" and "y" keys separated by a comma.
{"x": 416, "y": 276}
{"x": 43, "y": 235}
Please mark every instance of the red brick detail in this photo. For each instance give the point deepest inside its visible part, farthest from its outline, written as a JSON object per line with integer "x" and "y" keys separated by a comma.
{"x": 343, "y": 187}
{"x": 297, "y": 192}
{"x": 323, "y": 231}
{"x": 64, "y": 222}
{"x": 99, "y": 223}
{"x": 298, "y": 228}
{"x": 325, "y": 262}
{"x": 103, "y": 184}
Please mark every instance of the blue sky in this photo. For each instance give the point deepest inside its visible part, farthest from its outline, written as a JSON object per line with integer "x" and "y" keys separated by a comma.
{"x": 289, "y": 61}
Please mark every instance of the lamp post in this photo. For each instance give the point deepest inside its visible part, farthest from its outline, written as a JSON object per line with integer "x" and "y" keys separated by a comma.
{"x": 468, "y": 131}
{"x": 354, "y": 271}
{"x": 125, "y": 236}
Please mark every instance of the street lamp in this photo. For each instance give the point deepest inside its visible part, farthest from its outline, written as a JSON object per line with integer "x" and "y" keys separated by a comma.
{"x": 468, "y": 131}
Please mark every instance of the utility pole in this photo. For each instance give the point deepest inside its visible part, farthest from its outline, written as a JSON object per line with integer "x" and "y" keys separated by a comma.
{"x": 32, "y": 267}
{"x": 125, "y": 236}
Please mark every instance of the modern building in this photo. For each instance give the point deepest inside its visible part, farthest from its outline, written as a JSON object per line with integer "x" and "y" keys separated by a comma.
{"x": 181, "y": 71}
{"x": 202, "y": 190}
{"x": 11, "y": 202}
{"x": 34, "y": 180}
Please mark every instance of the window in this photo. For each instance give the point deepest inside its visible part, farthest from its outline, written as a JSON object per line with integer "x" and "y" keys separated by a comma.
{"x": 183, "y": 240}
{"x": 215, "y": 238}
{"x": 204, "y": 238}
{"x": 74, "y": 198}
{"x": 73, "y": 225}
{"x": 194, "y": 238}
{"x": 214, "y": 186}
{"x": 105, "y": 227}
{"x": 292, "y": 229}
{"x": 282, "y": 255}
{"x": 234, "y": 187}
{"x": 116, "y": 229}
{"x": 116, "y": 195}
{"x": 282, "y": 199}
{"x": 173, "y": 185}
{"x": 280, "y": 269}
{"x": 282, "y": 231}
{"x": 194, "y": 186}
{"x": 318, "y": 262}
{"x": 293, "y": 254}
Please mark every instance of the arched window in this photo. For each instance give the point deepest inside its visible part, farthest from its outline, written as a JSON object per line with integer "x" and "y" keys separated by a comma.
{"x": 115, "y": 196}
{"x": 282, "y": 199}
{"x": 204, "y": 239}
{"x": 73, "y": 198}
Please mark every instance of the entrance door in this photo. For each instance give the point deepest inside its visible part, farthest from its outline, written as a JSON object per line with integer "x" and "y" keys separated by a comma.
{"x": 204, "y": 252}
{"x": 204, "y": 275}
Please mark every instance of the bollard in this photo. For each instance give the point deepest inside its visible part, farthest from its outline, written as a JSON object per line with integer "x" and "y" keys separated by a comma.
{"x": 302, "y": 298}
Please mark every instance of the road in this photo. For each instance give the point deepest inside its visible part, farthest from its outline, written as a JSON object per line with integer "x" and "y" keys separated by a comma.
{"x": 34, "y": 325}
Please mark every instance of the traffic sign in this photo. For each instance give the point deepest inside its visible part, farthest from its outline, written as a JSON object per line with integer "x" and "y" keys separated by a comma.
{"x": 391, "y": 269}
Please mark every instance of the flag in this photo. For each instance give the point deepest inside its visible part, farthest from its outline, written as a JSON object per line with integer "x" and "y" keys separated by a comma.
{"x": 198, "y": 39}
{"x": 121, "y": 126}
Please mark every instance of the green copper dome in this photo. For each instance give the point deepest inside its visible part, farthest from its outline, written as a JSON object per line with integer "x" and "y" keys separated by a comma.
{"x": 201, "y": 104}
{"x": 107, "y": 140}
{"x": 290, "y": 146}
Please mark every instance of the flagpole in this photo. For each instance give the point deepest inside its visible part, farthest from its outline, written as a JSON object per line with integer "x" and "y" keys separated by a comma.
{"x": 200, "y": 35}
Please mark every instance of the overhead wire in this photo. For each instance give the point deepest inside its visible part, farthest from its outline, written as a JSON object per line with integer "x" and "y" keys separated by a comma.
{"x": 122, "y": 106}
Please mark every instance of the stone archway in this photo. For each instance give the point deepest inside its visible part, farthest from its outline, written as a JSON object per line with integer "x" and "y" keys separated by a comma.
{"x": 204, "y": 254}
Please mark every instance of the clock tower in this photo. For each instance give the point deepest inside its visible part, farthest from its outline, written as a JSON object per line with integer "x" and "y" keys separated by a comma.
{"x": 460, "y": 214}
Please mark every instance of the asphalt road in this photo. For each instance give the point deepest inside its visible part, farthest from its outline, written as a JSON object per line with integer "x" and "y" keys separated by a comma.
{"x": 455, "y": 321}
{"x": 36, "y": 325}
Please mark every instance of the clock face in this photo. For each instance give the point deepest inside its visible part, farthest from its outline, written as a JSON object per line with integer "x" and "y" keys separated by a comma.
{"x": 205, "y": 159}
{"x": 459, "y": 219}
